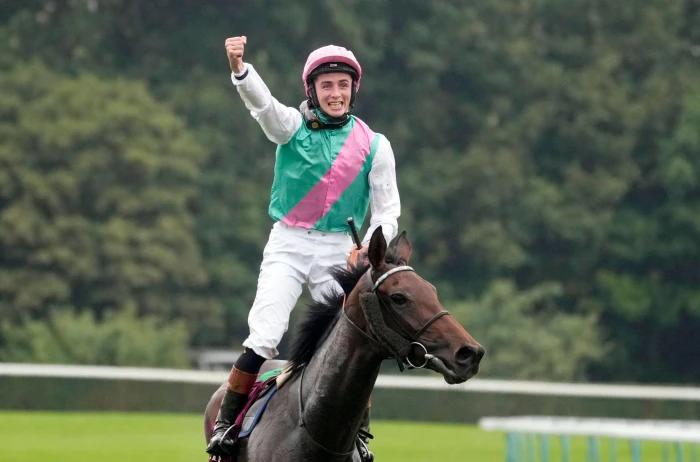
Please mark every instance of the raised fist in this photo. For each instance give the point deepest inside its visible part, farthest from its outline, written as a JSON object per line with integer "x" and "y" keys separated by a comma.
{"x": 235, "y": 47}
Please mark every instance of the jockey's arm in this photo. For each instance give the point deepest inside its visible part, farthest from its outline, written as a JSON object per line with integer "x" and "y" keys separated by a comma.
{"x": 385, "y": 204}
{"x": 279, "y": 122}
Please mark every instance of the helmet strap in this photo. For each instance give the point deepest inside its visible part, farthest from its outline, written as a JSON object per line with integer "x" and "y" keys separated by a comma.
{"x": 313, "y": 122}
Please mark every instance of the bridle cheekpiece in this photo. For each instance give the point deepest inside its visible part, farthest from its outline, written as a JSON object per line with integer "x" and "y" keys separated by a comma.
{"x": 399, "y": 346}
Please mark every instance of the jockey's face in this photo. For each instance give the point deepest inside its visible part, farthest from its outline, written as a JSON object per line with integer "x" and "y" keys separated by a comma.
{"x": 333, "y": 91}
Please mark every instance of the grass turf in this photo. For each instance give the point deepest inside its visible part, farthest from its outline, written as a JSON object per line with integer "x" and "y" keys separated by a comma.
{"x": 135, "y": 437}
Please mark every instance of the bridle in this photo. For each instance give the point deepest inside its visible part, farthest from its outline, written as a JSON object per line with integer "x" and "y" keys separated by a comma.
{"x": 397, "y": 344}
{"x": 382, "y": 335}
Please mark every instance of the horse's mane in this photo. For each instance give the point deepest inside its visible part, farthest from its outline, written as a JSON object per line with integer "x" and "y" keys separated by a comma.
{"x": 323, "y": 314}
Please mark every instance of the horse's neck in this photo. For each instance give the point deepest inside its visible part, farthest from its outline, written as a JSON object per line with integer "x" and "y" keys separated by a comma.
{"x": 338, "y": 382}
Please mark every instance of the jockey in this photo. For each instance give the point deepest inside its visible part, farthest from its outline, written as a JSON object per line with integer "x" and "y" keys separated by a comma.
{"x": 329, "y": 166}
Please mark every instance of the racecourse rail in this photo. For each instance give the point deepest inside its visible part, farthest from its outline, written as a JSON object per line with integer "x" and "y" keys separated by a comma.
{"x": 528, "y": 437}
{"x": 646, "y": 392}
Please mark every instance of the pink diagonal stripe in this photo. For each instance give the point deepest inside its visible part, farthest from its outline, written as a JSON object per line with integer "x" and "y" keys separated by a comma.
{"x": 335, "y": 181}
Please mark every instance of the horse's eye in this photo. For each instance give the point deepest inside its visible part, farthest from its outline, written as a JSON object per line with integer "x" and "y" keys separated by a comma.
{"x": 399, "y": 299}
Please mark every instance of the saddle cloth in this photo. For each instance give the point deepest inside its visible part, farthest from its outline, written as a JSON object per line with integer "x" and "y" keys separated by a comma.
{"x": 249, "y": 418}
{"x": 269, "y": 383}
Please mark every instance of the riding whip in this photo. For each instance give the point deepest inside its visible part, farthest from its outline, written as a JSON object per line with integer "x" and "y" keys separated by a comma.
{"x": 353, "y": 231}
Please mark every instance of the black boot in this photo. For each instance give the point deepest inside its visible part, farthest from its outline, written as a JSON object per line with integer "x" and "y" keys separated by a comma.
{"x": 363, "y": 437}
{"x": 221, "y": 443}
{"x": 239, "y": 384}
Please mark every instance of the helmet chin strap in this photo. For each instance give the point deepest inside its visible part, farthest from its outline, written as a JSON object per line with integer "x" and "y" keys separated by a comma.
{"x": 314, "y": 123}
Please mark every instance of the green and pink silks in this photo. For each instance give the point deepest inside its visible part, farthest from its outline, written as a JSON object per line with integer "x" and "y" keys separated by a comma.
{"x": 321, "y": 177}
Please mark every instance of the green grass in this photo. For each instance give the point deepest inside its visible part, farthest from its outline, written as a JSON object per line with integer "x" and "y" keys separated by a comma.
{"x": 134, "y": 437}
{"x": 432, "y": 442}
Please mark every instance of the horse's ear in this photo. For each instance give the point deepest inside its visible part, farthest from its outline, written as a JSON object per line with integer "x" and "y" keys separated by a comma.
{"x": 377, "y": 248}
{"x": 400, "y": 249}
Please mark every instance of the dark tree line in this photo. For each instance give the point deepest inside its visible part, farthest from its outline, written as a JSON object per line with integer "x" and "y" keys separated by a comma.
{"x": 548, "y": 155}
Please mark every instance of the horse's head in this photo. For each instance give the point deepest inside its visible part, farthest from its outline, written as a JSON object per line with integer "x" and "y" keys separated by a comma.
{"x": 403, "y": 313}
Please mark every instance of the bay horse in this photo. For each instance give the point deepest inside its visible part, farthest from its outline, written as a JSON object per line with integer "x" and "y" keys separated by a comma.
{"x": 387, "y": 310}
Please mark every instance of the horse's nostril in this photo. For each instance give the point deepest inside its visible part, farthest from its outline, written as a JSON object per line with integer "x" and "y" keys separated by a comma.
{"x": 468, "y": 353}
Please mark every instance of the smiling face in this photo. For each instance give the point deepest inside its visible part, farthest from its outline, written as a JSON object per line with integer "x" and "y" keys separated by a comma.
{"x": 334, "y": 91}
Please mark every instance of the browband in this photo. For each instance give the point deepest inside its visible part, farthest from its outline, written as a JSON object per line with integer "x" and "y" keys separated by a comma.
{"x": 383, "y": 277}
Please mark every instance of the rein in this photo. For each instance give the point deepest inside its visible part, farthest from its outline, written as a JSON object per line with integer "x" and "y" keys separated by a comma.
{"x": 303, "y": 424}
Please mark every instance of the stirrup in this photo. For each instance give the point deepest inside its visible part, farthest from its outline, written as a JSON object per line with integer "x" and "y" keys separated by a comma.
{"x": 364, "y": 435}
{"x": 365, "y": 454}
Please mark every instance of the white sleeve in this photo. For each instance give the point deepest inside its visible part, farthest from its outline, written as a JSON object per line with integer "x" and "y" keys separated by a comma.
{"x": 385, "y": 204}
{"x": 279, "y": 122}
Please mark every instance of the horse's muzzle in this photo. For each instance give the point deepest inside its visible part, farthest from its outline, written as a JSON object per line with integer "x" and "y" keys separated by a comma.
{"x": 465, "y": 364}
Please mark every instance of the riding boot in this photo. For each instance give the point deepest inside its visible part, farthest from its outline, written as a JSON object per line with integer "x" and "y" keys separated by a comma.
{"x": 239, "y": 385}
{"x": 363, "y": 437}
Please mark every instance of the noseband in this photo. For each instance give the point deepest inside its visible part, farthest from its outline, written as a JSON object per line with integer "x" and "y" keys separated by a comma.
{"x": 399, "y": 345}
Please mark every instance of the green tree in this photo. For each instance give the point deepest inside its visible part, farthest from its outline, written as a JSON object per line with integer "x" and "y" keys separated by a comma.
{"x": 537, "y": 130}
{"x": 95, "y": 201}
{"x": 649, "y": 279}
{"x": 527, "y": 336}
{"x": 121, "y": 338}
{"x": 177, "y": 48}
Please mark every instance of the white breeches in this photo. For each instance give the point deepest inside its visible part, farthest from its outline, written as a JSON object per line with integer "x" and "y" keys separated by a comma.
{"x": 292, "y": 257}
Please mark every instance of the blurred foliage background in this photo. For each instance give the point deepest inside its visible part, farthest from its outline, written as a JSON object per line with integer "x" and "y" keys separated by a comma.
{"x": 548, "y": 157}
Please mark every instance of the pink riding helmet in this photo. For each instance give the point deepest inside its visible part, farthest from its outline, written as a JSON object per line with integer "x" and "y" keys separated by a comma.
{"x": 330, "y": 54}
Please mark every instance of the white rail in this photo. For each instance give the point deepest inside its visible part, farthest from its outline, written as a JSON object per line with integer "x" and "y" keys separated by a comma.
{"x": 584, "y": 390}
{"x": 680, "y": 431}
{"x": 384, "y": 381}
